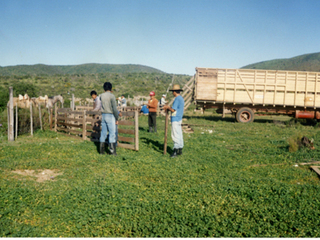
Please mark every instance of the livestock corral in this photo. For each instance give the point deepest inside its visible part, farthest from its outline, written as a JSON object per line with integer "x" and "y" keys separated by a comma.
{"x": 25, "y": 114}
{"x": 232, "y": 180}
{"x": 85, "y": 123}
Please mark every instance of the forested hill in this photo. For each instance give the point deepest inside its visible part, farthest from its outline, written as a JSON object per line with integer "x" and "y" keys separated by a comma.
{"x": 41, "y": 69}
{"x": 306, "y": 62}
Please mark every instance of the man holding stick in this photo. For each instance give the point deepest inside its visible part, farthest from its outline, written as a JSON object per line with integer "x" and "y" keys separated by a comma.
{"x": 176, "y": 120}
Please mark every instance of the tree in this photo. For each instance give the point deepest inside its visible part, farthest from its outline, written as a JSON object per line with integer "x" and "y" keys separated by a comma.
{"x": 4, "y": 98}
{"x": 24, "y": 88}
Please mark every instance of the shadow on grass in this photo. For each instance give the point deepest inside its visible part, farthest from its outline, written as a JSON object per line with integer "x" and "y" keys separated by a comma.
{"x": 143, "y": 129}
{"x": 156, "y": 145}
{"x": 97, "y": 144}
{"x": 304, "y": 122}
{"x": 211, "y": 118}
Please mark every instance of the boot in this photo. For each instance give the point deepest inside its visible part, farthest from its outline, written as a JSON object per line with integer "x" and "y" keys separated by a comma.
{"x": 155, "y": 129}
{"x": 180, "y": 151}
{"x": 113, "y": 149}
{"x": 175, "y": 153}
{"x": 150, "y": 129}
{"x": 102, "y": 148}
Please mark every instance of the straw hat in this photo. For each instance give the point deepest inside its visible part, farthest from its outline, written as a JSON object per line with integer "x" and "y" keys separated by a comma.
{"x": 176, "y": 87}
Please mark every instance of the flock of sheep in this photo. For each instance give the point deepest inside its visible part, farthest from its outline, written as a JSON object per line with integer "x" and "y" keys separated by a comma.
{"x": 25, "y": 101}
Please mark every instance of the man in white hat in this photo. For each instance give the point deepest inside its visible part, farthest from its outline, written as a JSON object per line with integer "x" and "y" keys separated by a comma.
{"x": 176, "y": 120}
{"x": 162, "y": 101}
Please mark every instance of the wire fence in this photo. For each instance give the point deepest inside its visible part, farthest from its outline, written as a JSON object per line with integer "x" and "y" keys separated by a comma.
{"x": 28, "y": 120}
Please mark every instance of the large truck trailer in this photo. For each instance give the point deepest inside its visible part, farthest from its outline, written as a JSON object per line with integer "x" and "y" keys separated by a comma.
{"x": 247, "y": 91}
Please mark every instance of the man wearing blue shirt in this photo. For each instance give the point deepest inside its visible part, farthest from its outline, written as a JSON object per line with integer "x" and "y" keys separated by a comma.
{"x": 176, "y": 120}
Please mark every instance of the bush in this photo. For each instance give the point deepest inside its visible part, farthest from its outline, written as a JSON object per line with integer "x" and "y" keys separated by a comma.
{"x": 4, "y": 98}
{"x": 24, "y": 88}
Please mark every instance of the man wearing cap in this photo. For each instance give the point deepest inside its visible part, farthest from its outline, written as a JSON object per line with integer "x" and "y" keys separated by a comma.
{"x": 152, "y": 106}
{"x": 109, "y": 119}
{"x": 176, "y": 120}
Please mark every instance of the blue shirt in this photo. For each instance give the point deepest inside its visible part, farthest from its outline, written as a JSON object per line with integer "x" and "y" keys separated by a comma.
{"x": 178, "y": 106}
{"x": 144, "y": 109}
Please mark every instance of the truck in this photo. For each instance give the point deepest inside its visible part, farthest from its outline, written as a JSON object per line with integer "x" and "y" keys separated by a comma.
{"x": 245, "y": 92}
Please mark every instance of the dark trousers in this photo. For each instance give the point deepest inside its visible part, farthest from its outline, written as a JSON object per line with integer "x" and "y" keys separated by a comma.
{"x": 152, "y": 120}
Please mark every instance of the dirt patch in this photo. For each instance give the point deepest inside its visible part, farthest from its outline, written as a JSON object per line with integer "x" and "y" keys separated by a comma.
{"x": 41, "y": 175}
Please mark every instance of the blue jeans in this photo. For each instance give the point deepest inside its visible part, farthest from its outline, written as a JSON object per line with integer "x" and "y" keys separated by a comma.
{"x": 108, "y": 124}
{"x": 176, "y": 134}
{"x": 108, "y": 136}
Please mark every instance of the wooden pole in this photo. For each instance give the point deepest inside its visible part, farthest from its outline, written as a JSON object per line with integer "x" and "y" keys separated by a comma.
{"x": 10, "y": 114}
{"x": 51, "y": 113}
{"x": 166, "y": 133}
{"x": 16, "y": 120}
{"x": 8, "y": 118}
{"x": 136, "y": 130}
{"x": 72, "y": 108}
{"x": 84, "y": 126}
{"x": 31, "y": 119}
{"x": 55, "y": 117}
{"x": 40, "y": 117}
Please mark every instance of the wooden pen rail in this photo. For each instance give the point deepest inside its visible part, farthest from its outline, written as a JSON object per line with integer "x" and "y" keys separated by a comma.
{"x": 86, "y": 124}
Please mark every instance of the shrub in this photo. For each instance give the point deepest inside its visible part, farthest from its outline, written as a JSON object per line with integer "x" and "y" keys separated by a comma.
{"x": 4, "y": 98}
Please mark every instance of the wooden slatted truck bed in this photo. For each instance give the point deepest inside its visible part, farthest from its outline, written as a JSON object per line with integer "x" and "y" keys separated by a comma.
{"x": 246, "y": 91}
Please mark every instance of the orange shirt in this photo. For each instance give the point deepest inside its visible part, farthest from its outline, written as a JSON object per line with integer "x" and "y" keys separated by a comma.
{"x": 153, "y": 105}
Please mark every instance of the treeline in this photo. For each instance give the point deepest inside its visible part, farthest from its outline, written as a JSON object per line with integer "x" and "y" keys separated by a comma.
{"x": 91, "y": 68}
{"x": 132, "y": 84}
{"x": 306, "y": 62}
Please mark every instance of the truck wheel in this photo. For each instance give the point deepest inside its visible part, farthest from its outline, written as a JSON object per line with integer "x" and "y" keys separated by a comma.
{"x": 245, "y": 115}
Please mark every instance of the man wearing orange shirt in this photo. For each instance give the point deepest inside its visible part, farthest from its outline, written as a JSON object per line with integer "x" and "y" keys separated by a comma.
{"x": 152, "y": 105}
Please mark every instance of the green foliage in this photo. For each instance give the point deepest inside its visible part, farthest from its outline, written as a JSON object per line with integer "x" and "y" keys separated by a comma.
{"x": 307, "y": 62}
{"x": 45, "y": 70}
{"x": 132, "y": 84}
{"x": 233, "y": 180}
{"x": 294, "y": 143}
{"x": 4, "y": 98}
{"x": 23, "y": 88}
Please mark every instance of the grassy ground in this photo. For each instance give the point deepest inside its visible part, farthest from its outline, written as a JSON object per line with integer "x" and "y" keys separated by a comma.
{"x": 233, "y": 180}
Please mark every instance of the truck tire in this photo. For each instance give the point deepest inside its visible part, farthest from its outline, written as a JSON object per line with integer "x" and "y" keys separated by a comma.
{"x": 245, "y": 115}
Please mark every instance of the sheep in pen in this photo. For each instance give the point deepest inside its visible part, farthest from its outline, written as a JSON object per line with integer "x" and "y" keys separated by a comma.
{"x": 30, "y": 114}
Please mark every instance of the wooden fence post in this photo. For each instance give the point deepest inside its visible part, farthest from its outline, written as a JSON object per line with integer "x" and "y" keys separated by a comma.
{"x": 72, "y": 107}
{"x": 16, "y": 120}
{"x": 136, "y": 130}
{"x": 166, "y": 133}
{"x": 51, "y": 113}
{"x": 84, "y": 126}
{"x": 55, "y": 117}
{"x": 40, "y": 117}
{"x": 8, "y": 118}
{"x": 10, "y": 115}
{"x": 31, "y": 119}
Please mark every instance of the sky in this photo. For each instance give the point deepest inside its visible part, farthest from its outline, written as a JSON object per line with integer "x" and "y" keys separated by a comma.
{"x": 174, "y": 36}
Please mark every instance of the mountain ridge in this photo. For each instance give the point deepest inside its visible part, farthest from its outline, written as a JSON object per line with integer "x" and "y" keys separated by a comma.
{"x": 305, "y": 62}
{"x": 87, "y": 68}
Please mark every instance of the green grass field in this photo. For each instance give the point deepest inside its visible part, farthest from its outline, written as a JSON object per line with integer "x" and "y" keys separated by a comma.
{"x": 233, "y": 180}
